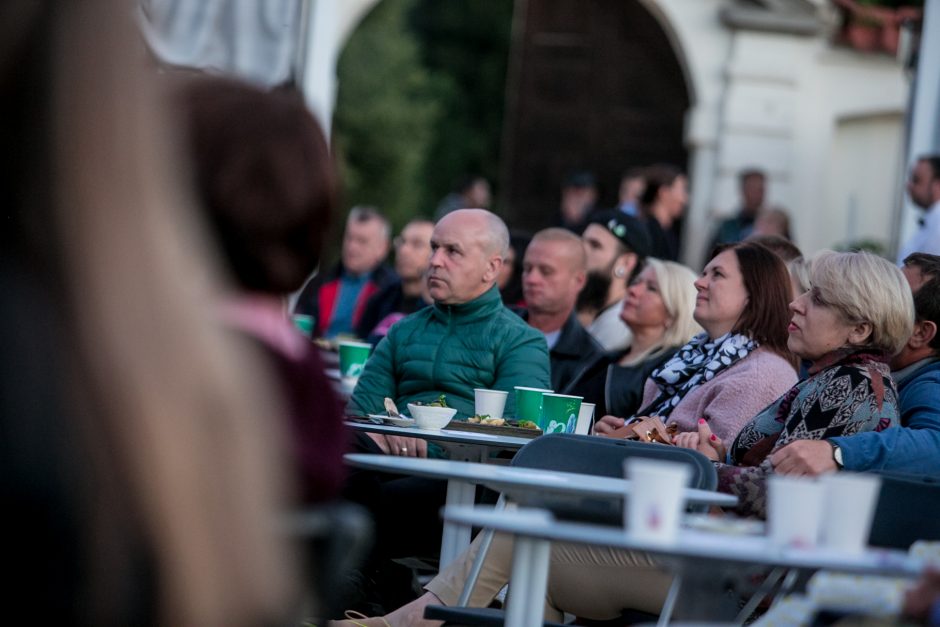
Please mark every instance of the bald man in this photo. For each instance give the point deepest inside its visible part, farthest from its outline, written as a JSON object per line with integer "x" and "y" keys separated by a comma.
{"x": 466, "y": 339}
{"x": 553, "y": 273}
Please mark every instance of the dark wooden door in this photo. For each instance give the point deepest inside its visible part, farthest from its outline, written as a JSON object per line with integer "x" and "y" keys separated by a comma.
{"x": 598, "y": 87}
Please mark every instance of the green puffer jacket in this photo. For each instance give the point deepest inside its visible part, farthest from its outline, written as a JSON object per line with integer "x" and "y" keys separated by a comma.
{"x": 452, "y": 349}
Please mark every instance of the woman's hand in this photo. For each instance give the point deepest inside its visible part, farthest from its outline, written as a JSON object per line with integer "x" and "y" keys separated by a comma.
{"x": 703, "y": 441}
{"x": 607, "y": 425}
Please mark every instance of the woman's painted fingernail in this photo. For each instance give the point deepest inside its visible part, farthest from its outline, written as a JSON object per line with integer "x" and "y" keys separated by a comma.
{"x": 714, "y": 437}
{"x": 701, "y": 421}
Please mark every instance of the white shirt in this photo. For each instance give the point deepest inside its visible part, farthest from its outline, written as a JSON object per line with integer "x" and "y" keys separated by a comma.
{"x": 927, "y": 238}
{"x": 609, "y": 330}
{"x": 552, "y": 338}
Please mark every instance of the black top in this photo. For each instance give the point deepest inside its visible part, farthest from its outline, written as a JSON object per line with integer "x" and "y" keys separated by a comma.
{"x": 572, "y": 354}
{"x": 616, "y": 389}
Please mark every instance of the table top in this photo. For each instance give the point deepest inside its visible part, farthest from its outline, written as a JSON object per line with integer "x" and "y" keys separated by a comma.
{"x": 445, "y": 435}
{"x": 691, "y": 544}
{"x": 515, "y": 479}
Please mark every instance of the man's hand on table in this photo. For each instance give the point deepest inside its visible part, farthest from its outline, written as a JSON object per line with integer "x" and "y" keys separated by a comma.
{"x": 401, "y": 446}
{"x": 804, "y": 457}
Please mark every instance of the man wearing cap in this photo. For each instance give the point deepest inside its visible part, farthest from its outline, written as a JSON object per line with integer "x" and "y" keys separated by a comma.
{"x": 553, "y": 272}
{"x": 616, "y": 245}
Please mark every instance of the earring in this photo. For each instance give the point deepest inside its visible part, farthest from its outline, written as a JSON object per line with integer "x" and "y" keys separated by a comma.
{"x": 619, "y": 272}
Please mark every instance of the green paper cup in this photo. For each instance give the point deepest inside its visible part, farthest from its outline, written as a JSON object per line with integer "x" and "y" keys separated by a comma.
{"x": 559, "y": 413}
{"x": 352, "y": 357}
{"x": 304, "y": 324}
{"x": 529, "y": 403}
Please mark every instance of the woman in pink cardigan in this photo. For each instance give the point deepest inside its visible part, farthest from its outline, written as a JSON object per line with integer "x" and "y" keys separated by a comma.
{"x": 741, "y": 363}
{"x": 726, "y": 375}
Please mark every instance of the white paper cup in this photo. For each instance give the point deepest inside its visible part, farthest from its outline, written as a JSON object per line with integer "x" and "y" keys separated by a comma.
{"x": 654, "y": 505}
{"x": 794, "y": 510}
{"x": 489, "y": 402}
{"x": 848, "y": 510}
{"x": 585, "y": 419}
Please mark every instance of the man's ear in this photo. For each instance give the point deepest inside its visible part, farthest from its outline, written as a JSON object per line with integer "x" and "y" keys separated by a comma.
{"x": 493, "y": 265}
{"x": 628, "y": 262}
{"x": 924, "y": 333}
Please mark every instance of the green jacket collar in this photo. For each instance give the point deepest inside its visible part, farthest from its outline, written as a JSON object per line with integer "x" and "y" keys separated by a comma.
{"x": 483, "y": 306}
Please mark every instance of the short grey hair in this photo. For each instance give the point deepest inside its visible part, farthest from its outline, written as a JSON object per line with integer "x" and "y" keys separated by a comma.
{"x": 866, "y": 288}
{"x": 367, "y": 213}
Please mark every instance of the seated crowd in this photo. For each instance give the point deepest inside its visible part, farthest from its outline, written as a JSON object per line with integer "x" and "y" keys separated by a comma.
{"x": 716, "y": 357}
{"x": 139, "y": 460}
{"x": 766, "y": 363}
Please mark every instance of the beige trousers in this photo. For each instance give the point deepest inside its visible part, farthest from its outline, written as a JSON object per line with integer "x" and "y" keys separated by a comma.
{"x": 588, "y": 581}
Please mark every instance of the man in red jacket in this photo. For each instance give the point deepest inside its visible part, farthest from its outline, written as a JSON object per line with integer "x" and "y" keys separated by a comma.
{"x": 337, "y": 299}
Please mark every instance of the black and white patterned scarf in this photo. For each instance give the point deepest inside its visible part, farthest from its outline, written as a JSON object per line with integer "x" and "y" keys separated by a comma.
{"x": 694, "y": 364}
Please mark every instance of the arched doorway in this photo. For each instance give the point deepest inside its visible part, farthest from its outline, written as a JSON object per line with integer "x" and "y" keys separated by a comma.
{"x": 598, "y": 86}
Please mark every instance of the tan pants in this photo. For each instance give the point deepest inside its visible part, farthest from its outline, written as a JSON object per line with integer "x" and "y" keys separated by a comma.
{"x": 589, "y": 581}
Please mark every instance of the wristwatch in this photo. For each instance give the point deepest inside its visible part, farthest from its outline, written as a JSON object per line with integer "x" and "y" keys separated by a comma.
{"x": 837, "y": 456}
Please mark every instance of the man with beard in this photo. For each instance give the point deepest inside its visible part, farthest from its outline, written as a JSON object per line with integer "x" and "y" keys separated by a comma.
{"x": 616, "y": 245}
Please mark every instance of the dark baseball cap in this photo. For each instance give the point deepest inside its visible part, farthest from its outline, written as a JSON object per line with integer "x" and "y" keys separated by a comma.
{"x": 630, "y": 231}
{"x": 580, "y": 178}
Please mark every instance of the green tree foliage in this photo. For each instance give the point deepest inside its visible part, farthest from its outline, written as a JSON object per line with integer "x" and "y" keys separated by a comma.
{"x": 420, "y": 102}
{"x": 466, "y": 41}
{"x": 386, "y": 115}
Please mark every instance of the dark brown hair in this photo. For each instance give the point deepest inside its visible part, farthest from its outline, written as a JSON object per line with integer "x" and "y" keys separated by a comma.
{"x": 656, "y": 177}
{"x": 927, "y": 298}
{"x": 766, "y": 315}
{"x": 265, "y": 178}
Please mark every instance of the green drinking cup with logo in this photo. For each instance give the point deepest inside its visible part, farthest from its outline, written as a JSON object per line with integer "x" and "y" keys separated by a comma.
{"x": 529, "y": 403}
{"x": 559, "y": 413}
{"x": 352, "y": 358}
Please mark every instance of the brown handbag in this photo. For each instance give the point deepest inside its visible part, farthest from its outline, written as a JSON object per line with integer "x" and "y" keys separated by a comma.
{"x": 646, "y": 429}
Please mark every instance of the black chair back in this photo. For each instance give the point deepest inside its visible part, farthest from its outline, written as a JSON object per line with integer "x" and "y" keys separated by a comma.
{"x": 908, "y": 509}
{"x": 592, "y": 455}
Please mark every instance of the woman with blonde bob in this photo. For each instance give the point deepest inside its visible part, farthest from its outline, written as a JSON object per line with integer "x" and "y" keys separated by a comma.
{"x": 658, "y": 310}
{"x": 857, "y": 313}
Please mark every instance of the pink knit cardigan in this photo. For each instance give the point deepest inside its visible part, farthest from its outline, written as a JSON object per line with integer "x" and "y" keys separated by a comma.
{"x": 733, "y": 397}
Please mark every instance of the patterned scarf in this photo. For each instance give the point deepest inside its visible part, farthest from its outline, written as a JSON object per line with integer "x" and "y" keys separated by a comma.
{"x": 696, "y": 363}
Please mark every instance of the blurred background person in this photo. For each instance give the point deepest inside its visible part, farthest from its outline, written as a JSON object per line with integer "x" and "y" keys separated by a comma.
{"x": 662, "y": 204}
{"x": 632, "y": 184}
{"x": 923, "y": 186}
{"x": 753, "y": 189}
{"x": 408, "y": 293}
{"x": 471, "y": 191}
{"x": 509, "y": 280}
{"x": 142, "y": 473}
{"x": 773, "y": 221}
{"x": 578, "y": 195}
{"x": 337, "y": 298}
{"x": 264, "y": 177}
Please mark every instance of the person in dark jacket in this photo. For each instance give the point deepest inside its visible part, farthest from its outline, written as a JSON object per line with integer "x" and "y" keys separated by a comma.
{"x": 337, "y": 299}
{"x": 553, "y": 272}
{"x": 406, "y": 295}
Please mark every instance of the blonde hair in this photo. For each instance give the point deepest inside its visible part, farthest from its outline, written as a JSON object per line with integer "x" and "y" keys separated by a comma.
{"x": 677, "y": 289}
{"x": 170, "y": 402}
{"x": 866, "y": 288}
